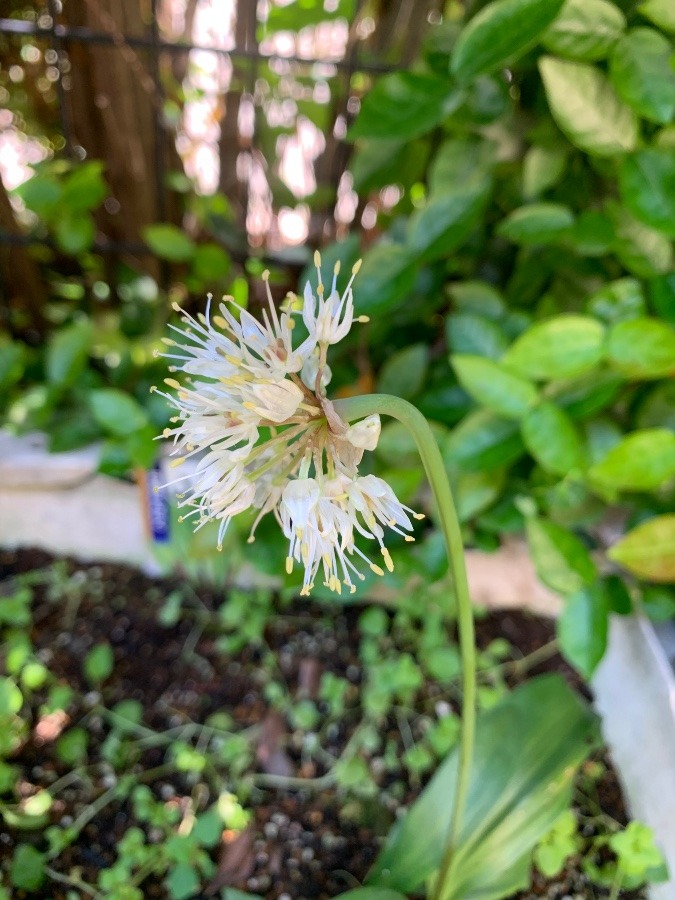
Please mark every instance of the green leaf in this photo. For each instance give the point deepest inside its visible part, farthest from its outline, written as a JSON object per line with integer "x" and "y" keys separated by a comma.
{"x": 536, "y": 223}
{"x": 85, "y": 188}
{"x": 403, "y": 106}
{"x": 647, "y": 186}
{"x": 472, "y": 334}
{"x": 585, "y": 30}
{"x": 459, "y": 160}
{"x": 404, "y": 372}
{"x": 648, "y": 551}
{"x": 98, "y": 663}
{"x": 397, "y": 447}
{"x": 11, "y": 699}
{"x": 182, "y": 882}
{"x": 475, "y": 491}
{"x": 660, "y": 12}
{"x": 640, "y": 71}
{"x": 644, "y": 251}
{"x": 618, "y": 300}
{"x": 372, "y": 893}
{"x": 561, "y": 560}
{"x": 562, "y": 347}
{"x": 116, "y": 412}
{"x": 27, "y": 871}
{"x": 550, "y": 436}
{"x": 41, "y": 194}
{"x": 169, "y": 242}
{"x": 448, "y": 219}
{"x": 67, "y": 352}
{"x": 499, "y": 34}
{"x": 586, "y": 108}
{"x": 74, "y": 233}
{"x": 494, "y": 386}
{"x": 543, "y": 168}
{"x": 642, "y": 461}
{"x": 210, "y": 262}
{"x": 386, "y": 278}
{"x": 378, "y": 163}
{"x": 521, "y": 781}
{"x": 642, "y": 348}
{"x": 478, "y": 298}
{"x": 582, "y": 628}
{"x": 657, "y": 409}
{"x": 483, "y": 441}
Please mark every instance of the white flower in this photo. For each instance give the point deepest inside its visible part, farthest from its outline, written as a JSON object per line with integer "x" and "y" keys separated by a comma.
{"x": 252, "y": 410}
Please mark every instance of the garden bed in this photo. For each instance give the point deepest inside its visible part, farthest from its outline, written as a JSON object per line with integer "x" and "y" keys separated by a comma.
{"x": 258, "y": 670}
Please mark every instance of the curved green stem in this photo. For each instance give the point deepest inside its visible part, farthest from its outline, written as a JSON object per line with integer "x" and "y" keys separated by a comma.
{"x": 357, "y": 408}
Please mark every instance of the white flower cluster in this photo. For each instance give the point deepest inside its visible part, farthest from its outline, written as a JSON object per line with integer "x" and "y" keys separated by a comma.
{"x": 253, "y": 410}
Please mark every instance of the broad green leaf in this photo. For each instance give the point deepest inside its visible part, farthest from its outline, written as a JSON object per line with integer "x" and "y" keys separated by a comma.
{"x": 12, "y": 362}
{"x": 448, "y": 219}
{"x": 403, "y": 106}
{"x": 98, "y": 663}
{"x": 483, "y": 441}
{"x": 619, "y": 300}
{"x": 543, "y": 168}
{"x": 644, "y": 251}
{"x": 562, "y": 347}
{"x": 647, "y": 185}
{"x": 582, "y": 628}
{"x": 536, "y": 223}
{"x": 585, "y": 29}
{"x": 641, "y": 72}
{"x": 27, "y": 870}
{"x": 385, "y": 280}
{"x": 378, "y": 163}
{"x": 11, "y": 698}
{"x": 169, "y": 242}
{"x": 586, "y": 108}
{"x": 494, "y": 386}
{"x": 210, "y": 262}
{"x": 660, "y": 12}
{"x": 552, "y": 439}
{"x": 404, "y": 372}
{"x": 397, "y": 447}
{"x": 116, "y": 412}
{"x": 74, "y": 233}
{"x": 85, "y": 188}
{"x": 182, "y": 882}
{"x": 499, "y": 34}
{"x": 475, "y": 491}
{"x": 602, "y": 435}
{"x": 458, "y": 161}
{"x": 560, "y": 558}
{"x": 648, "y": 551}
{"x": 588, "y": 396}
{"x": 642, "y": 348}
{"x": 41, "y": 194}
{"x": 468, "y": 333}
{"x": 478, "y": 298}
{"x": 67, "y": 352}
{"x": 592, "y": 235}
{"x": 642, "y": 461}
{"x": 521, "y": 781}
{"x": 657, "y": 409}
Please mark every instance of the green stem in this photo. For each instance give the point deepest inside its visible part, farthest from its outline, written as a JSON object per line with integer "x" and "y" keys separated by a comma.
{"x": 357, "y": 408}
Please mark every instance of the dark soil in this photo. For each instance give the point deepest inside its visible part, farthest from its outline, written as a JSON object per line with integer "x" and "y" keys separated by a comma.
{"x": 302, "y": 843}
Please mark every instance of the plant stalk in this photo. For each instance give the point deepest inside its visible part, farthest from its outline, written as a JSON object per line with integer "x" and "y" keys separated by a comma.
{"x": 357, "y": 408}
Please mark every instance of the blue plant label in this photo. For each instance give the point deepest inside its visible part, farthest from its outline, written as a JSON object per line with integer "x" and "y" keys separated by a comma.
{"x": 157, "y": 505}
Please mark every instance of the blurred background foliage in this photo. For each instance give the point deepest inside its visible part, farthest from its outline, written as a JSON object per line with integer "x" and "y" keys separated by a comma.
{"x": 506, "y": 172}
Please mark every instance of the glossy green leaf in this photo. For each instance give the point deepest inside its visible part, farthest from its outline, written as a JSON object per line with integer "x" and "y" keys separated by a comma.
{"x": 590, "y": 395}
{"x": 478, "y": 298}
{"x": 587, "y": 109}
{"x": 41, "y": 194}
{"x": 448, "y": 219}
{"x": 647, "y": 185}
{"x": 644, "y": 251}
{"x": 583, "y": 627}
{"x": 648, "y": 551}
{"x": 642, "y": 348}
{"x": 169, "y": 242}
{"x": 468, "y": 333}
{"x": 74, "y": 233}
{"x": 475, "y": 491}
{"x": 522, "y": 774}
{"x": 552, "y": 439}
{"x": 483, "y": 441}
{"x": 560, "y": 558}
{"x": 67, "y": 352}
{"x": 11, "y": 698}
{"x": 641, "y": 72}
{"x": 116, "y": 412}
{"x": 378, "y": 163}
{"x": 403, "y": 106}
{"x": 499, "y": 34}
{"x": 585, "y": 29}
{"x": 563, "y": 347}
{"x": 536, "y": 223}
{"x": 543, "y": 167}
{"x": 385, "y": 280}
{"x": 494, "y": 386}
{"x": 642, "y": 461}
{"x": 458, "y": 161}
{"x": 404, "y": 372}
{"x": 660, "y": 12}
{"x": 397, "y": 447}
